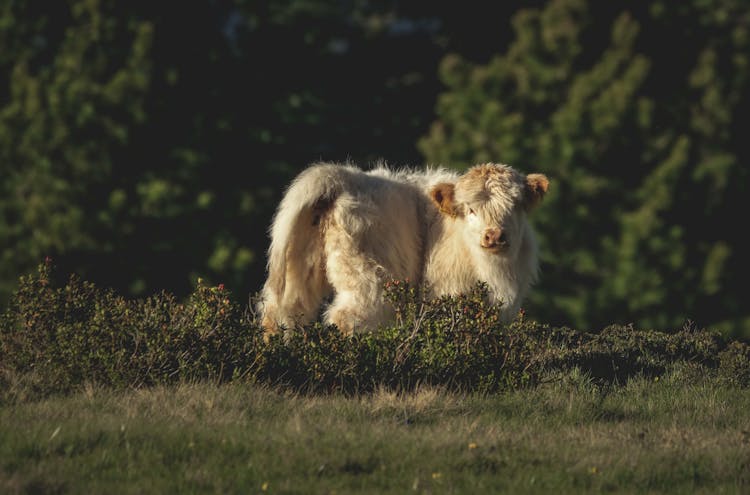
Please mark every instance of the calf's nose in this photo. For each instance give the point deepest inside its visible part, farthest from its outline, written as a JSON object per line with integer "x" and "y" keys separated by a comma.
{"x": 493, "y": 237}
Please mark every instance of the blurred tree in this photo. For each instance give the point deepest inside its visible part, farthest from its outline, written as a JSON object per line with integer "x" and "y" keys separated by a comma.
{"x": 68, "y": 105}
{"x": 639, "y": 114}
{"x": 144, "y": 144}
{"x": 141, "y": 148}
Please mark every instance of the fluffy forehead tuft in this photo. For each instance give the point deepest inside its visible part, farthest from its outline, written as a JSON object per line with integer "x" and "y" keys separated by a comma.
{"x": 495, "y": 188}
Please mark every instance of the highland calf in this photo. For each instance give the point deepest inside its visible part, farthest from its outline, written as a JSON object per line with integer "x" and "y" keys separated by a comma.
{"x": 343, "y": 232}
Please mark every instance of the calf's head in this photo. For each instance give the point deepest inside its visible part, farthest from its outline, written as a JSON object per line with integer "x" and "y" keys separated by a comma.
{"x": 491, "y": 201}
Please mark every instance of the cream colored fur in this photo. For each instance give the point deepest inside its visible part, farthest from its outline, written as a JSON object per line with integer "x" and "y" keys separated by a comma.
{"x": 343, "y": 232}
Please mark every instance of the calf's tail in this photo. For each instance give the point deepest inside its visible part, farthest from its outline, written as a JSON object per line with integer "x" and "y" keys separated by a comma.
{"x": 296, "y": 282}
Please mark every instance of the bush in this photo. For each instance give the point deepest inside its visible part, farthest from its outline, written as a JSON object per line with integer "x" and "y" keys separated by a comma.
{"x": 619, "y": 352}
{"x": 60, "y": 337}
{"x": 77, "y": 333}
{"x": 735, "y": 364}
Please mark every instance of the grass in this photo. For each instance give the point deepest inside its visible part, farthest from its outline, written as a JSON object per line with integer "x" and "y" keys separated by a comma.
{"x": 101, "y": 394}
{"x": 679, "y": 433}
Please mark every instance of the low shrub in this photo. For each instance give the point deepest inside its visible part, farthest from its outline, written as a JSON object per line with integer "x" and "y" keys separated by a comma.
{"x": 78, "y": 332}
{"x": 60, "y": 336}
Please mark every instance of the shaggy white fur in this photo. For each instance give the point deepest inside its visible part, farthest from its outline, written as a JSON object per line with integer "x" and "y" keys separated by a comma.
{"x": 344, "y": 232}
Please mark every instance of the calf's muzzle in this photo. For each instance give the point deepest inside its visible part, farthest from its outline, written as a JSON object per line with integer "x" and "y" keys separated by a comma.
{"x": 494, "y": 238}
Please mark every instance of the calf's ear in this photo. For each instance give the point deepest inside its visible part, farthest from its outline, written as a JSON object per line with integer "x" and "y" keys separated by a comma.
{"x": 443, "y": 195}
{"x": 536, "y": 188}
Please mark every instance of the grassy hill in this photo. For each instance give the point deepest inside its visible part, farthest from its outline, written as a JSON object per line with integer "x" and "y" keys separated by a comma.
{"x": 679, "y": 434}
{"x": 103, "y": 394}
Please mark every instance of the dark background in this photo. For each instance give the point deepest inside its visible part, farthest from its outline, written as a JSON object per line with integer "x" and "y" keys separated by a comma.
{"x": 145, "y": 144}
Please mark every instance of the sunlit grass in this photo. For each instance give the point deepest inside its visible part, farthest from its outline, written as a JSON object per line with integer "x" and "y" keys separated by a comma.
{"x": 675, "y": 434}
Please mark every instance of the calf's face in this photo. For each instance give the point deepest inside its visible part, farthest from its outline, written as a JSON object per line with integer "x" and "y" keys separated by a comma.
{"x": 490, "y": 202}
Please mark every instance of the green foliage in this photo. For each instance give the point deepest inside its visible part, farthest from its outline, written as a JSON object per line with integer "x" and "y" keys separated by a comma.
{"x": 457, "y": 342}
{"x": 637, "y": 113}
{"x": 616, "y": 352}
{"x": 65, "y": 336}
{"x": 143, "y": 149}
{"x": 145, "y": 144}
{"x": 68, "y": 103}
{"x": 59, "y": 337}
{"x": 734, "y": 364}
